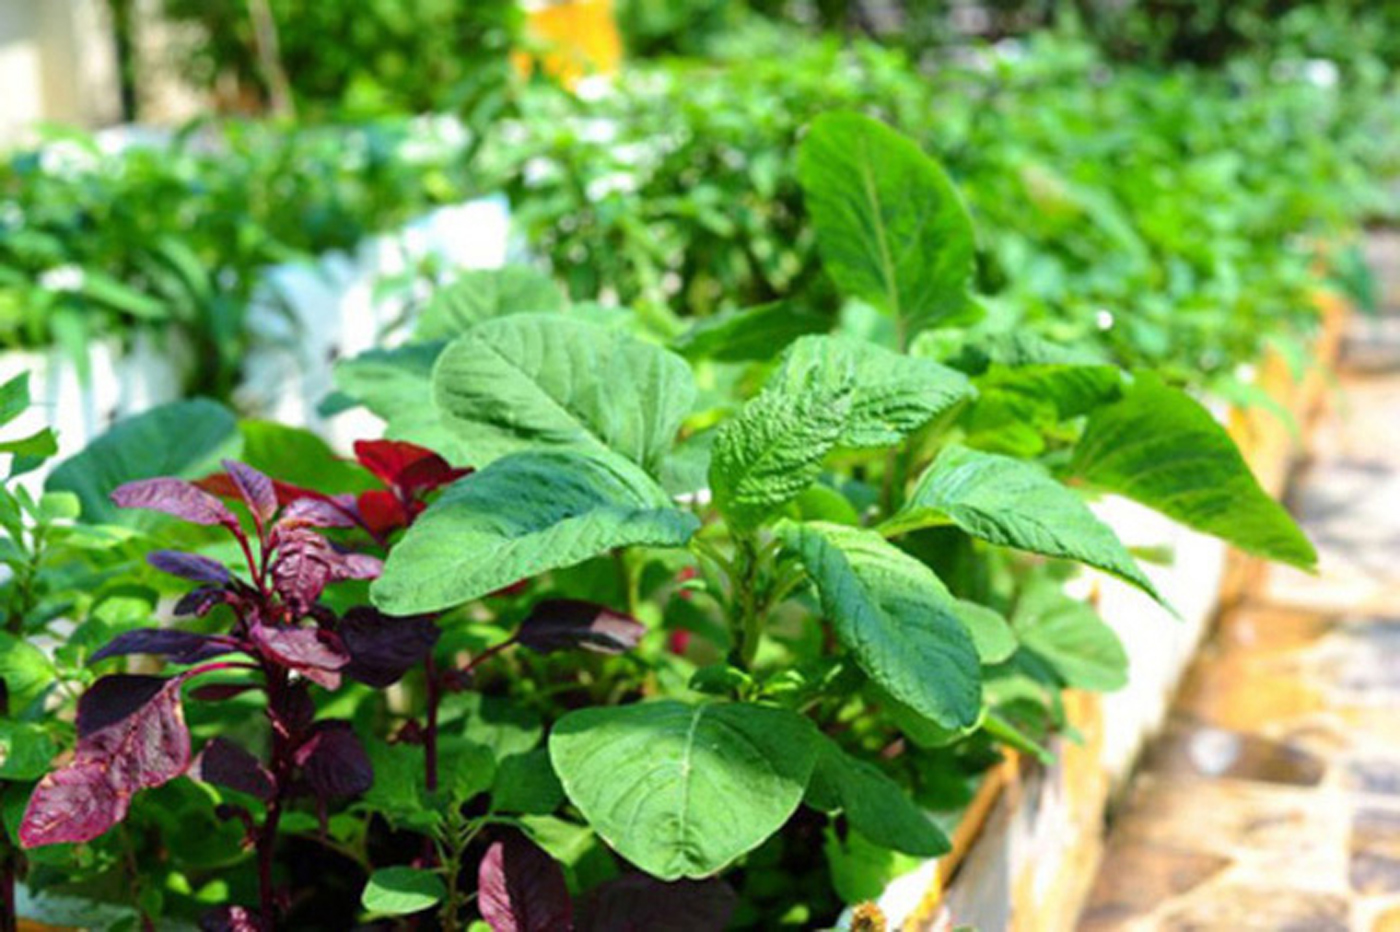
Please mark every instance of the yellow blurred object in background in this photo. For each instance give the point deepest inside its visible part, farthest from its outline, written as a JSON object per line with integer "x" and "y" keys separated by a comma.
{"x": 576, "y": 38}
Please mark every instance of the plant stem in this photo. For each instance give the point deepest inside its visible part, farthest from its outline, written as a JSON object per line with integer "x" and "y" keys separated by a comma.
{"x": 430, "y": 733}
{"x": 280, "y": 766}
{"x": 750, "y": 621}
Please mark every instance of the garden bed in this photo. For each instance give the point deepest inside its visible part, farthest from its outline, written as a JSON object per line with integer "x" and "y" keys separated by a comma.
{"x": 1027, "y": 848}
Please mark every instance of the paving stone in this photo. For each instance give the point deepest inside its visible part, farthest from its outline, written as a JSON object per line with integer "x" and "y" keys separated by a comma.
{"x": 1377, "y": 777}
{"x": 1244, "y": 694}
{"x": 1145, "y": 875}
{"x": 1375, "y": 851}
{"x": 1244, "y": 909}
{"x": 1387, "y": 921}
{"x": 1185, "y": 749}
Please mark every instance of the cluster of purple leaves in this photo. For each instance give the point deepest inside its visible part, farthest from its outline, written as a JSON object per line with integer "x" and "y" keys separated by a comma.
{"x": 131, "y": 729}
{"x": 521, "y": 889}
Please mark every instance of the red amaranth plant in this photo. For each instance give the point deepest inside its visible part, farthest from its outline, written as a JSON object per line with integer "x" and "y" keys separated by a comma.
{"x": 131, "y": 729}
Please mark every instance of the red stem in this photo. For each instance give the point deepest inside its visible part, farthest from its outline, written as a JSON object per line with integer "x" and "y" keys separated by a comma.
{"x": 9, "y": 922}
{"x": 280, "y": 766}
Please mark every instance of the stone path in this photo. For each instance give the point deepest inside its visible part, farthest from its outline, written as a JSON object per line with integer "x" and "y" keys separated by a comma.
{"x": 1272, "y": 800}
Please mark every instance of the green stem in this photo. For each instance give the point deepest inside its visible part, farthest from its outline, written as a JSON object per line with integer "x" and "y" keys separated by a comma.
{"x": 749, "y": 620}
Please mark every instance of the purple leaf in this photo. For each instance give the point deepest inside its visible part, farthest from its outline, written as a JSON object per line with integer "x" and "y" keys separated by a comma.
{"x": 199, "y": 601}
{"x": 256, "y": 489}
{"x": 131, "y": 736}
{"x": 638, "y": 903}
{"x": 224, "y": 763}
{"x": 316, "y": 512}
{"x": 334, "y": 762}
{"x": 383, "y": 647}
{"x": 564, "y": 624}
{"x": 357, "y": 566}
{"x": 318, "y": 655}
{"x": 177, "y": 646}
{"x": 232, "y": 919}
{"x": 175, "y": 497}
{"x": 189, "y": 566}
{"x": 522, "y": 889}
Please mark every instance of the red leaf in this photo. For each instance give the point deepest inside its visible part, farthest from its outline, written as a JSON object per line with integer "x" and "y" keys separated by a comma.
{"x": 317, "y": 512}
{"x": 565, "y": 624}
{"x": 522, "y": 889}
{"x": 318, "y": 655}
{"x": 334, "y": 762}
{"x": 381, "y": 512}
{"x": 256, "y": 490}
{"x": 383, "y": 647}
{"x": 175, "y": 497}
{"x": 120, "y": 750}
{"x": 178, "y": 646}
{"x": 189, "y": 566}
{"x": 406, "y": 467}
{"x": 224, "y": 763}
{"x": 222, "y": 485}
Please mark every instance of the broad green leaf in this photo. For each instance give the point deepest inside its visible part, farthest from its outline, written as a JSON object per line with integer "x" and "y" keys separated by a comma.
{"x": 991, "y": 634}
{"x": 526, "y": 783}
{"x": 465, "y": 768}
{"x": 523, "y": 515}
{"x": 895, "y": 617}
{"x": 398, "y": 792}
{"x": 1159, "y": 447}
{"x": 1014, "y": 503}
{"x": 396, "y": 385}
{"x": 1072, "y": 390}
{"x": 860, "y": 869}
{"x": 25, "y": 750}
{"x": 398, "y": 891}
{"x": 58, "y": 506}
{"x": 681, "y": 790}
{"x": 749, "y": 334}
{"x": 183, "y": 438}
{"x": 773, "y": 449}
{"x": 298, "y": 456}
{"x": 891, "y": 227}
{"x": 535, "y": 381}
{"x": 1071, "y": 637}
{"x": 894, "y": 394}
{"x": 504, "y": 725}
{"x": 479, "y": 295}
{"x": 875, "y": 805}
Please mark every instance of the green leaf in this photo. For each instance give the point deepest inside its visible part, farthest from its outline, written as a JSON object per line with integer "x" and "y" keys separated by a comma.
{"x": 398, "y": 891}
{"x": 773, "y": 449}
{"x": 42, "y": 443}
{"x": 183, "y": 438}
{"x": 479, "y": 295}
{"x": 398, "y": 791}
{"x": 751, "y": 334}
{"x": 396, "y": 385}
{"x": 110, "y": 292}
{"x": 299, "y": 457}
{"x": 679, "y": 790}
{"x": 534, "y": 380}
{"x": 14, "y": 398}
{"x": 59, "y": 506}
{"x": 874, "y": 804}
{"x": 526, "y": 783}
{"x": 894, "y": 394}
{"x": 523, "y": 515}
{"x": 1013, "y": 503}
{"x": 992, "y": 635}
{"x": 891, "y": 227}
{"x": 465, "y": 768}
{"x": 895, "y": 617}
{"x": 1159, "y": 447}
{"x": 1071, "y": 637}
{"x": 504, "y": 725}
{"x": 25, "y": 750}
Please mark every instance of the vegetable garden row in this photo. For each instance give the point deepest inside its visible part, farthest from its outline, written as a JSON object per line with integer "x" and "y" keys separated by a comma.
{"x": 710, "y": 557}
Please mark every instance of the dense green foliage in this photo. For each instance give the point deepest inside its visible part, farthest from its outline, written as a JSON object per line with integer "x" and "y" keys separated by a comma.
{"x": 1176, "y": 220}
{"x": 177, "y": 238}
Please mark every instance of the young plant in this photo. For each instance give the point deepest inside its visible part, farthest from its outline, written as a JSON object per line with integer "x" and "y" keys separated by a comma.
{"x": 131, "y": 730}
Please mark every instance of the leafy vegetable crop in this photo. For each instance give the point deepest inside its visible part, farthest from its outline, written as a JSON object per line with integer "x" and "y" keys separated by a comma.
{"x": 661, "y": 632}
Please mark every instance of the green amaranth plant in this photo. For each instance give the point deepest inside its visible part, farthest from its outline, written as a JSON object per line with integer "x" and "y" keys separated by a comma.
{"x": 847, "y": 523}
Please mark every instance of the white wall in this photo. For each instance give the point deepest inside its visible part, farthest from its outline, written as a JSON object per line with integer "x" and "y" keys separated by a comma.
{"x": 58, "y": 63}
